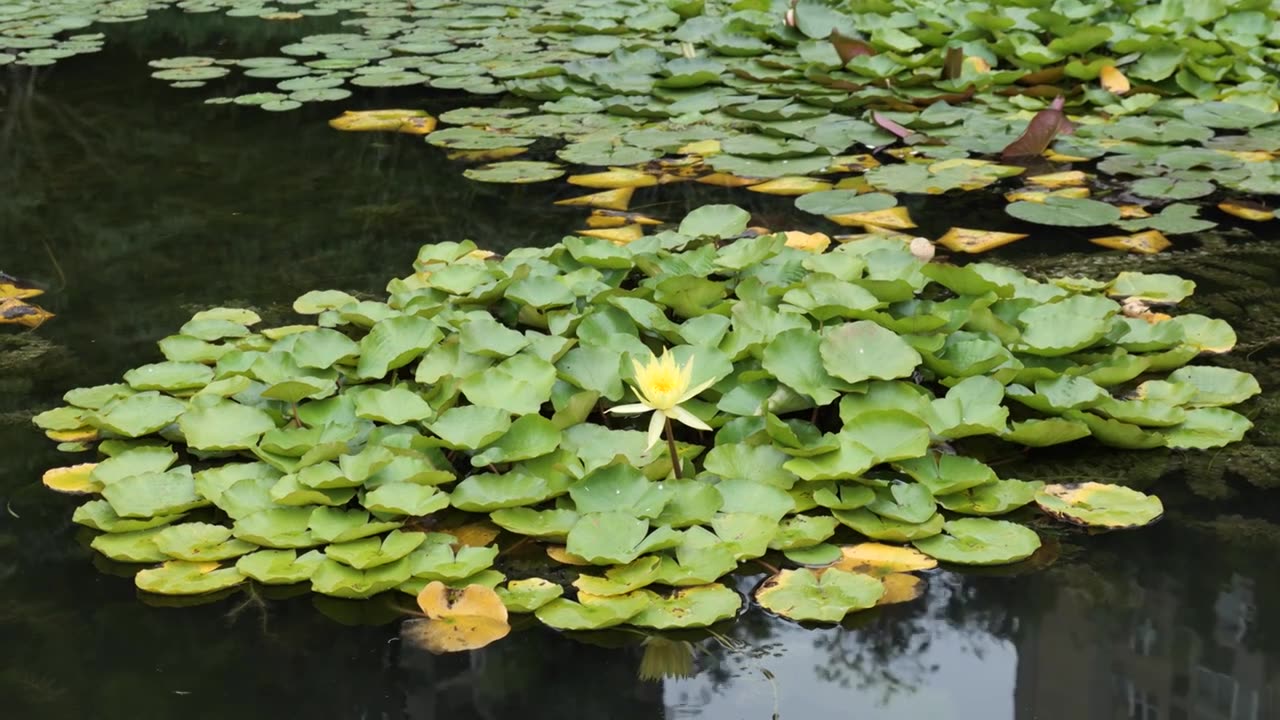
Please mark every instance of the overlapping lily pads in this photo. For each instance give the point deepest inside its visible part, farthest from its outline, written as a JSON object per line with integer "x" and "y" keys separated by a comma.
{"x": 381, "y": 446}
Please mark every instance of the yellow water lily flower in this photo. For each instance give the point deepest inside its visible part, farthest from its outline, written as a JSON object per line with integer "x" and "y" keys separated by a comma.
{"x": 662, "y": 385}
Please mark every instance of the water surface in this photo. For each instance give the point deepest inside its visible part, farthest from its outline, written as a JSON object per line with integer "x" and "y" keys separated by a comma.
{"x": 136, "y": 205}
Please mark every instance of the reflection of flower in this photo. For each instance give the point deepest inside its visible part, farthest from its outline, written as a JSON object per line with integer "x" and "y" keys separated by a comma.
{"x": 662, "y": 385}
{"x": 665, "y": 658}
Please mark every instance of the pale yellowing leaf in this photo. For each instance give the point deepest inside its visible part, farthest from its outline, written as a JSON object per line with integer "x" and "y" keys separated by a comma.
{"x": 1129, "y": 212}
{"x": 791, "y": 185}
{"x": 410, "y": 122}
{"x": 1148, "y": 242}
{"x": 613, "y": 218}
{"x": 84, "y": 434}
{"x": 894, "y": 218}
{"x": 1054, "y": 156}
{"x": 700, "y": 147}
{"x": 617, "y": 236}
{"x": 614, "y": 178}
{"x": 561, "y": 555}
{"x": 1112, "y": 80}
{"x": 616, "y": 199}
{"x": 968, "y": 240}
{"x": 454, "y": 634}
{"x": 1069, "y": 178}
{"x": 728, "y": 181}
{"x": 477, "y": 534}
{"x": 900, "y": 588}
{"x": 1246, "y": 212}
{"x": 438, "y": 600}
{"x": 880, "y": 560}
{"x": 73, "y": 479}
{"x": 809, "y": 242}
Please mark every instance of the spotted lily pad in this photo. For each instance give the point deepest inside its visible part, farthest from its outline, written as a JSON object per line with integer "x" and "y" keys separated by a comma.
{"x": 825, "y": 597}
{"x": 1100, "y": 505}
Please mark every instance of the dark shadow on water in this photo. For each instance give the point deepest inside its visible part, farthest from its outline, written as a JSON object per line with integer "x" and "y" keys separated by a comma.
{"x": 136, "y": 204}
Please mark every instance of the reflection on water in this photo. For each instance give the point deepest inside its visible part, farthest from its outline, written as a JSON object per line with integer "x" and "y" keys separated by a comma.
{"x": 136, "y": 205}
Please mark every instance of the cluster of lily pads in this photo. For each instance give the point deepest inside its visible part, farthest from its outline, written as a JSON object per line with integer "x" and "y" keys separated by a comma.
{"x": 379, "y": 445}
{"x": 1170, "y": 105}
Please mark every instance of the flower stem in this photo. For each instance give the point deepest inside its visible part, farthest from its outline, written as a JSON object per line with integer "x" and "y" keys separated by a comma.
{"x": 671, "y": 447}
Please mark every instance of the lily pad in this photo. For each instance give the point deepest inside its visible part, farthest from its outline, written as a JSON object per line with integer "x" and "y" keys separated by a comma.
{"x": 980, "y": 541}
{"x": 1100, "y": 505}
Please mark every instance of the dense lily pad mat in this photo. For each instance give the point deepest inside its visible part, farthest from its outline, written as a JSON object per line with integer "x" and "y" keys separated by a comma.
{"x": 1165, "y": 106}
{"x": 358, "y": 449}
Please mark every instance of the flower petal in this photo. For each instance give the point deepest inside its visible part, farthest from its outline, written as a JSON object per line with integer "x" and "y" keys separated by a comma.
{"x": 633, "y": 409}
{"x": 688, "y": 418}
{"x": 694, "y": 391}
{"x": 656, "y": 424}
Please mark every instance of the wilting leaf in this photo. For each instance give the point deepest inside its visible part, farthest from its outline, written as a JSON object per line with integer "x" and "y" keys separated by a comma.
{"x": 1041, "y": 130}
{"x": 1100, "y": 505}
{"x": 412, "y": 122}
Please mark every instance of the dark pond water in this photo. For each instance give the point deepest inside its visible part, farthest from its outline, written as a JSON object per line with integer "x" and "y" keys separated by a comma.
{"x": 136, "y": 205}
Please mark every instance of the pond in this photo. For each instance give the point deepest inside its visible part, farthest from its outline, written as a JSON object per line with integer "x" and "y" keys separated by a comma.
{"x": 136, "y": 205}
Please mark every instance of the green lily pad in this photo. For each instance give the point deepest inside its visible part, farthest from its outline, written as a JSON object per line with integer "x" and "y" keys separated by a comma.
{"x": 225, "y": 426}
{"x": 805, "y": 595}
{"x": 515, "y": 172}
{"x": 1065, "y": 212}
{"x": 178, "y": 577}
{"x": 994, "y": 498}
{"x": 137, "y": 415}
{"x": 692, "y": 607}
{"x": 200, "y": 542}
{"x": 878, "y": 527}
{"x": 529, "y": 594}
{"x": 279, "y": 567}
{"x": 863, "y": 350}
{"x": 980, "y": 541}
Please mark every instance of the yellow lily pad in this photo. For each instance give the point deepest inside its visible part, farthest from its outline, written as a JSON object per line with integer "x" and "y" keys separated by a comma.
{"x": 1113, "y": 80}
{"x": 791, "y": 185}
{"x": 1130, "y": 212}
{"x": 438, "y": 600}
{"x": 617, "y": 236}
{"x": 616, "y": 199}
{"x": 900, "y": 588}
{"x": 561, "y": 555}
{"x": 894, "y": 218}
{"x": 410, "y": 122}
{"x": 1069, "y": 178}
{"x": 454, "y": 633}
{"x": 84, "y": 434}
{"x": 882, "y": 560}
{"x": 809, "y": 242}
{"x": 15, "y": 312}
{"x": 1054, "y": 156}
{"x": 73, "y": 479}
{"x": 1113, "y": 507}
{"x": 478, "y": 534}
{"x": 1252, "y": 212}
{"x": 614, "y": 178}
{"x": 1148, "y": 242}
{"x": 12, "y": 287}
{"x": 728, "y": 181}
{"x": 975, "y": 241}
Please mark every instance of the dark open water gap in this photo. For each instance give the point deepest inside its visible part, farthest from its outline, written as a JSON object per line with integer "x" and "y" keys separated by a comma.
{"x": 135, "y": 204}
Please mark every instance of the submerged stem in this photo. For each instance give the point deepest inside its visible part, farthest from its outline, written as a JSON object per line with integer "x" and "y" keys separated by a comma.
{"x": 671, "y": 447}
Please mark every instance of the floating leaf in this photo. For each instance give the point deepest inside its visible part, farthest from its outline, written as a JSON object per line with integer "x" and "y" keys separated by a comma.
{"x": 805, "y": 595}
{"x": 980, "y": 541}
{"x": 1094, "y": 504}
